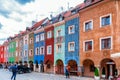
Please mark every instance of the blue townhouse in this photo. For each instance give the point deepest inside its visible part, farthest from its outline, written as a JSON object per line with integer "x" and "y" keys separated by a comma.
{"x": 72, "y": 42}
{"x": 39, "y": 45}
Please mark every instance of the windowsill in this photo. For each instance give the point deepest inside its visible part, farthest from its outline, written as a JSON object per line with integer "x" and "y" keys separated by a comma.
{"x": 88, "y": 30}
{"x": 71, "y": 51}
{"x": 88, "y": 51}
{"x": 71, "y": 33}
{"x": 105, "y": 49}
{"x": 41, "y": 40}
{"x": 102, "y": 26}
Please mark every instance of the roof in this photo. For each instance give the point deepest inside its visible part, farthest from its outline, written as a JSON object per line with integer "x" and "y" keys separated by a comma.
{"x": 37, "y": 24}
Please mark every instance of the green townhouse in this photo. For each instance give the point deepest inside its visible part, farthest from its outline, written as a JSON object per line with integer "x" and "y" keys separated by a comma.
{"x": 59, "y": 44}
{"x": 12, "y": 50}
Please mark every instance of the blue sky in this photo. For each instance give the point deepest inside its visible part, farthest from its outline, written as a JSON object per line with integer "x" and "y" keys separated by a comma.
{"x": 16, "y": 15}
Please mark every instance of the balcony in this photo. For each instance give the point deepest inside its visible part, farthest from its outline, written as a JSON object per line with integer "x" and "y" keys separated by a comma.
{"x": 59, "y": 39}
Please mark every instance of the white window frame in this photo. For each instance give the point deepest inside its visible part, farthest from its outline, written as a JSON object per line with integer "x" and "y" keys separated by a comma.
{"x": 105, "y": 16}
{"x": 36, "y": 51}
{"x": 60, "y": 33}
{"x": 49, "y": 34}
{"x": 69, "y": 46}
{"x": 30, "y": 52}
{"x": 43, "y": 50}
{"x": 87, "y": 22}
{"x": 16, "y": 43}
{"x": 49, "y": 53}
{"x": 105, "y": 38}
{"x": 25, "y": 53}
{"x": 57, "y": 50}
{"x": 73, "y": 26}
{"x": 16, "y": 54}
{"x": 37, "y": 38}
{"x": 31, "y": 40}
{"x": 42, "y": 37}
{"x": 88, "y": 41}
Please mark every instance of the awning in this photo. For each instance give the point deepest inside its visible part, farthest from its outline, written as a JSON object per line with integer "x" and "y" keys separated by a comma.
{"x": 115, "y": 55}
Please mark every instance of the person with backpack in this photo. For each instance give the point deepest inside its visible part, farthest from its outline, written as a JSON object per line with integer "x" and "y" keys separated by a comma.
{"x": 14, "y": 71}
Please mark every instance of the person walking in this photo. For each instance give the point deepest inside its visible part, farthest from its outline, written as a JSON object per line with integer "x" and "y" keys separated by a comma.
{"x": 14, "y": 71}
{"x": 67, "y": 72}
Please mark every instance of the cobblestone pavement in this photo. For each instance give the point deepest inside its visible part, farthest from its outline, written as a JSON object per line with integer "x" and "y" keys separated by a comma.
{"x": 5, "y": 75}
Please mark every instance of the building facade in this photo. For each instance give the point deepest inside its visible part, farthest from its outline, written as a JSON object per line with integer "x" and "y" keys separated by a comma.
{"x": 72, "y": 42}
{"x": 59, "y": 45}
{"x": 1, "y": 54}
{"x": 49, "y": 48}
{"x": 99, "y": 36}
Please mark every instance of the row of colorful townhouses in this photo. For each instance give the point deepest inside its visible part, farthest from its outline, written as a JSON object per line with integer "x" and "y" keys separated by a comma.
{"x": 84, "y": 37}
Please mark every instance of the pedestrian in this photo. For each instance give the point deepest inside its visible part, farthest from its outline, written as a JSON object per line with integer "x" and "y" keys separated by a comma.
{"x": 67, "y": 72}
{"x": 118, "y": 77}
{"x": 14, "y": 71}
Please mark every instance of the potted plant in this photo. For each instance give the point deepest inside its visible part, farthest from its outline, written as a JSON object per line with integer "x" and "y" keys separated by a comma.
{"x": 96, "y": 73}
{"x": 103, "y": 72}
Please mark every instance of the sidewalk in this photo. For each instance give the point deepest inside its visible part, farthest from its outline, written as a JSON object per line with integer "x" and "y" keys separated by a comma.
{"x": 73, "y": 77}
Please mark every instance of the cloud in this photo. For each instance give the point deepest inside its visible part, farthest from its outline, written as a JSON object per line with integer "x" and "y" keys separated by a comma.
{"x": 24, "y": 1}
{"x": 16, "y": 15}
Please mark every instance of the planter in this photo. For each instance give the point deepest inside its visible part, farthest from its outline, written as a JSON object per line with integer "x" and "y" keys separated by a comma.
{"x": 103, "y": 76}
{"x": 97, "y": 77}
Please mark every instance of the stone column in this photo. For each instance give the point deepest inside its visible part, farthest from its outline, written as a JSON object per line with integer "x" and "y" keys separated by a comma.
{"x": 79, "y": 70}
{"x": 34, "y": 67}
{"x": 39, "y": 69}
{"x": 45, "y": 67}
{"x": 55, "y": 69}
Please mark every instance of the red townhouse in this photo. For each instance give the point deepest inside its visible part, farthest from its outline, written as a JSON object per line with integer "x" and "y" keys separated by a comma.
{"x": 1, "y": 54}
{"x": 49, "y": 45}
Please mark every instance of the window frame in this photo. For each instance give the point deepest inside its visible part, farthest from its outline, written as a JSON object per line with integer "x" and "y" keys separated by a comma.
{"x": 37, "y": 38}
{"x": 69, "y": 49}
{"x": 49, "y": 34}
{"x": 60, "y": 33}
{"x": 49, "y": 53}
{"x": 57, "y": 50}
{"x": 43, "y": 50}
{"x": 84, "y": 45}
{"x": 85, "y": 25}
{"x": 30, "y": 52}
{"x": 69, "y": 32}
{"x": 106, "y": 38}
{"x": 103, "y": 17}
{"x": 42, "y": 37}
{"x": 36, "y": 51}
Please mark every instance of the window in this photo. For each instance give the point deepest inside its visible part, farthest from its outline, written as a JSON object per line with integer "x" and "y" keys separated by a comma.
{"x": 31, "y": 52}
{"x": 37, "y": 51}
{"x": 71, "y": 46}
{"x": 88, "y": 45}
{"x": 25, "y": 41}
{"x": 25, "y": 53}
{"x": 37, "y": 38}
{"x": 41, "y": 50}
{"x": 59, "y": 48}
{"x": 49, "y": 49}
{"x": 49, "y": 34}
{"x": 16, "y": 43}
{"x": 105, "y": 20}
{"x": 31, "y": 40}
{"x": 17, "y": 54}
{"x": 106, "y": 43}
{"x": 58, "y": 33}
{"x": 88, "y": 25}
{"x": 71, "y": 29}
{"x": 42, "y": 36}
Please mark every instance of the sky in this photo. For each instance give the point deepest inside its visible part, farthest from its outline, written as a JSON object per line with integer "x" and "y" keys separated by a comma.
{"x": 16, "y": 15}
